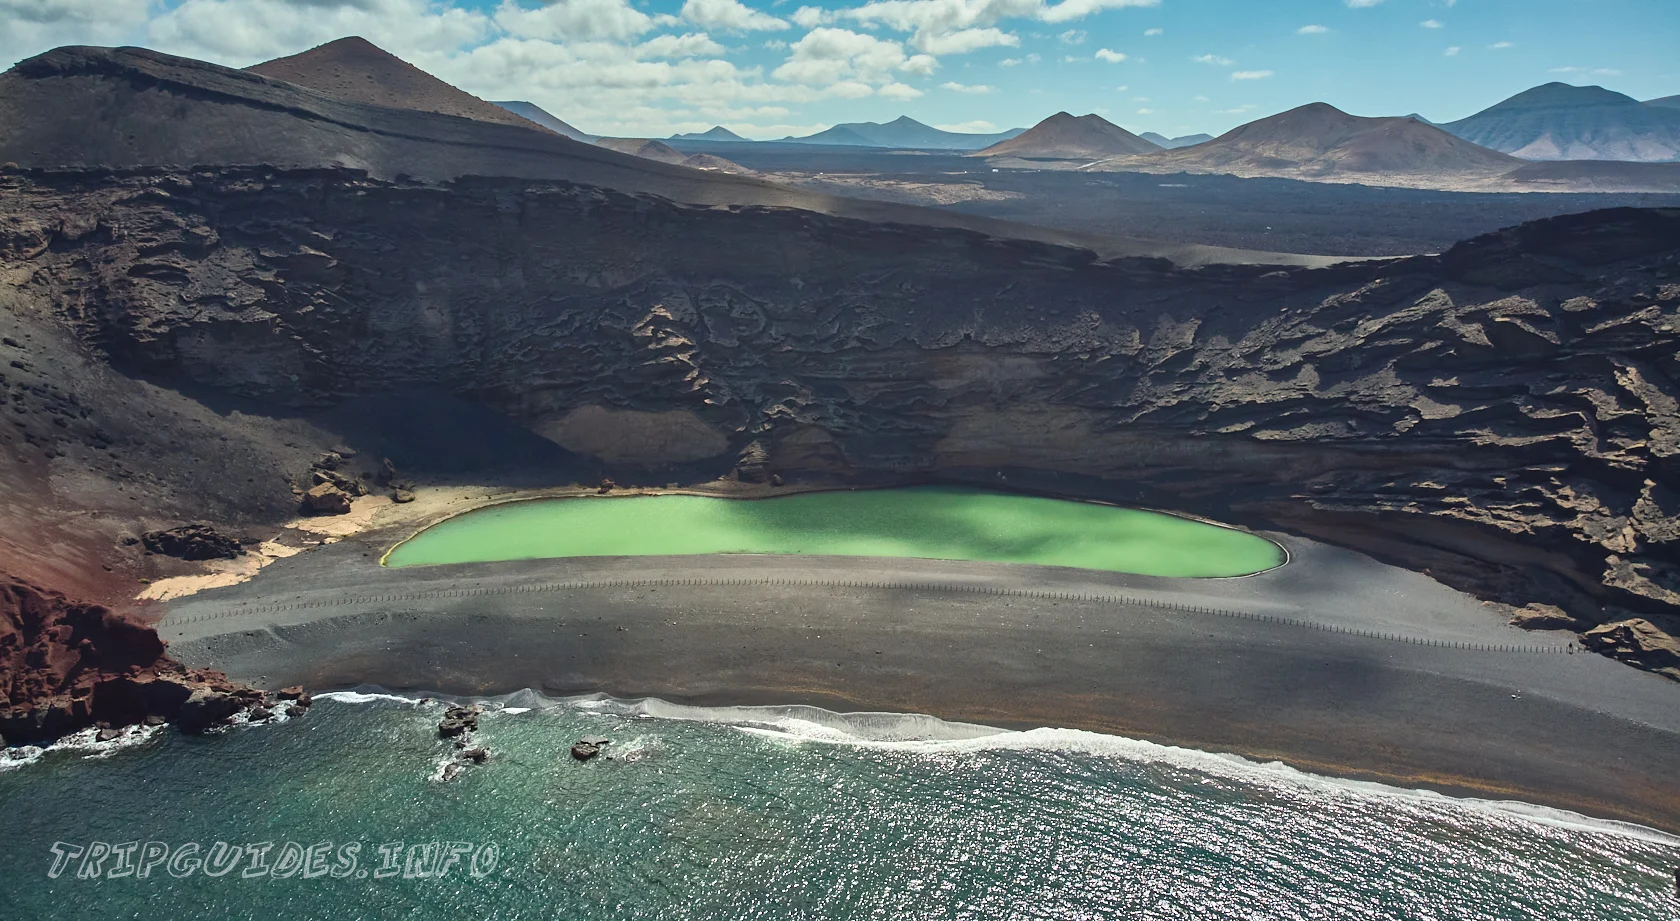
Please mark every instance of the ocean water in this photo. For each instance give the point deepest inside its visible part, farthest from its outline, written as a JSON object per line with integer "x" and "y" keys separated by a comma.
{"x": 930, "y": 522}
{"x": 767, "y": 814}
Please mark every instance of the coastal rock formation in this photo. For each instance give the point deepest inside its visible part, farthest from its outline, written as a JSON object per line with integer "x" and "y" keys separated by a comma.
{"x": 459, "y": 721}
{"x": 1638, "y": 642}
{"x": 1504, "y": 416}
{"x": 192, "y": 542}
{"x": 588, "y": 747}
{"x": 325, "y": 499}
{"x": 66, "y": 666}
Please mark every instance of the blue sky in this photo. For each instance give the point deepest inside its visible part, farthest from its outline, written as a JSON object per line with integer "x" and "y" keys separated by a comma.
{"x": 767, "y": 69}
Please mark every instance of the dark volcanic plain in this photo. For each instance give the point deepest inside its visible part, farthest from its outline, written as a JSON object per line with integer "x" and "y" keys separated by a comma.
{"x": 1286, "y": 215}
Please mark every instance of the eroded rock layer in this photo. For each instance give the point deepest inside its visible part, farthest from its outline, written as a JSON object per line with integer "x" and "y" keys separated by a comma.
{"x": 1504, "y": 416}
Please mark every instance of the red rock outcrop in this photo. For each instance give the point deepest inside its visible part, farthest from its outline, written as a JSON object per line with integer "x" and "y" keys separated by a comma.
{"x": 66, "y": 666}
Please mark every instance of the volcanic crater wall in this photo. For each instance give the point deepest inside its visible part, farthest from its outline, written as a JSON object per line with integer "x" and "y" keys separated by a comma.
{"x": 1505, "y": 415}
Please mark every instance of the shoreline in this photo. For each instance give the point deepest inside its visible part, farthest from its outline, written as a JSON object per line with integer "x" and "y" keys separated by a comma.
{"x": 1346, "y": 667}
{"x": 861, "y": 729}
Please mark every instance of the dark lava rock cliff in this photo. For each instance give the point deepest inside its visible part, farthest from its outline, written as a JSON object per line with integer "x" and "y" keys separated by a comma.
{"x": 1504, "y": 415}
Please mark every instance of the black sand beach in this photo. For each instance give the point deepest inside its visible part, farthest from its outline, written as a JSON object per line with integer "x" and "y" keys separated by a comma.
{"x": 1334, "y": 663}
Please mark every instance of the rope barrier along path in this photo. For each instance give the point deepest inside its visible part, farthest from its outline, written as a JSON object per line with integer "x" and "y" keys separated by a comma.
{"x": 1115, "y": 598}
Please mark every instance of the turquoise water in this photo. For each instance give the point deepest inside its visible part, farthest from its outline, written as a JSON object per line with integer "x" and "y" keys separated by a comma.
{"x": 929, "y": 522}
{"x": 753, "y": 816}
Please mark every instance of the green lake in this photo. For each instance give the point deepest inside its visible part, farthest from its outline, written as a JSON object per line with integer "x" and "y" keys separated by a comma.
{"x": 926, "y": 522}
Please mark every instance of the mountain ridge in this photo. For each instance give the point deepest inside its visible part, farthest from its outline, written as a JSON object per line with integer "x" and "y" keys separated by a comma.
{"x": 1558, "y": 121}
{"x": 903, "y": 132}
{"x": 1318, "y": 140}
{"x": 1065, "y": 136}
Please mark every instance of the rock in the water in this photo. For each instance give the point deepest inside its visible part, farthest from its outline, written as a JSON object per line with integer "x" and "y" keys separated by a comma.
{"x": 206, "y": 708}
{"x": 476, "y": 755}
{"x": 583, "y": 751}
{"x": 297, "y": 694}
{"x": 457, "y": 720}
{"x": 1542, "y": 617}
{"x": 107, "y": 735}
{"x": 326, "y": 499}
{"x": 1637, "y": 642}
{"x": 192, "y": 542}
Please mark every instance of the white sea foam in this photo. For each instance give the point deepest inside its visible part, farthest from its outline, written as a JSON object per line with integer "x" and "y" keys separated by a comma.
{"x": 917, "y": 733}
{"x": 363, "y": 697}
{"x": 21, "y": 756}
{"x": 84, "y": 742}
{"x": 1221, "y": 764}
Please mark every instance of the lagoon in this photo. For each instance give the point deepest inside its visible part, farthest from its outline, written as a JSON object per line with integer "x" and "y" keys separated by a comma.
{"x": 925, "y": 522}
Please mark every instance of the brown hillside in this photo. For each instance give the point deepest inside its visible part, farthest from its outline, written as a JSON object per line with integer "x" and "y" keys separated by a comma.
{"x": 357, "y": 70}
{"x": 1068, "y": 137}
{"x": 1319, "y": 140}
{"x": 645, "y": 148}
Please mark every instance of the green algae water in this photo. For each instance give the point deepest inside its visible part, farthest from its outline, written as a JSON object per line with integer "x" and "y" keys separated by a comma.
{"x": 772, "y": 814}
{"x": 928, "y": 522}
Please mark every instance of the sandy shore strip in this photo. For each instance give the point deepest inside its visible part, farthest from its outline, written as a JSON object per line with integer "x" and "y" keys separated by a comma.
{"x": 1334, "y": 664}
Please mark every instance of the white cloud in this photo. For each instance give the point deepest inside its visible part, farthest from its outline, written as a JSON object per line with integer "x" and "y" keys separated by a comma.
{"x": 809, "y": 17}
{"x": 978, "y": 126}
{"x": 1010, "y": 62}
{"x": 829, "y": 55}
{"x": 977, "y": 89}
{"x": 1069, "y": 10}
{"x": 732, "y": 15}
{"x": 692, "y": 45}
{"x": 1251, "y": 75}
{"x": 1146, "y": 111}
{"x": 1453, "y": 51}
{"x": 964, "y": 41}
{"x": 1311, "y": 30}
{"x": 34, "y": 26}
{"x": 899, "y": 91}
{"x": 573, "y": 20}
{"x": 1213, "y": 59}
{"x": 920, "y": 64}
{"x": 242, "y": 32}
{"x": 1122, "y": 88}
{"x": 1113, "y": 57}
{"x": 1072, "y": 37}
{"x": 1154, "y": 32}
{"x": 928, "y": 20}
{"x": 1499, "y": 46}
{"x": 1592, "y": 71}
{"x": 1236, "y": 111}
{"x": 1203, "y": 99}
{"x": 1433, "y": 24}
{"x": 1361, "y": 4}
